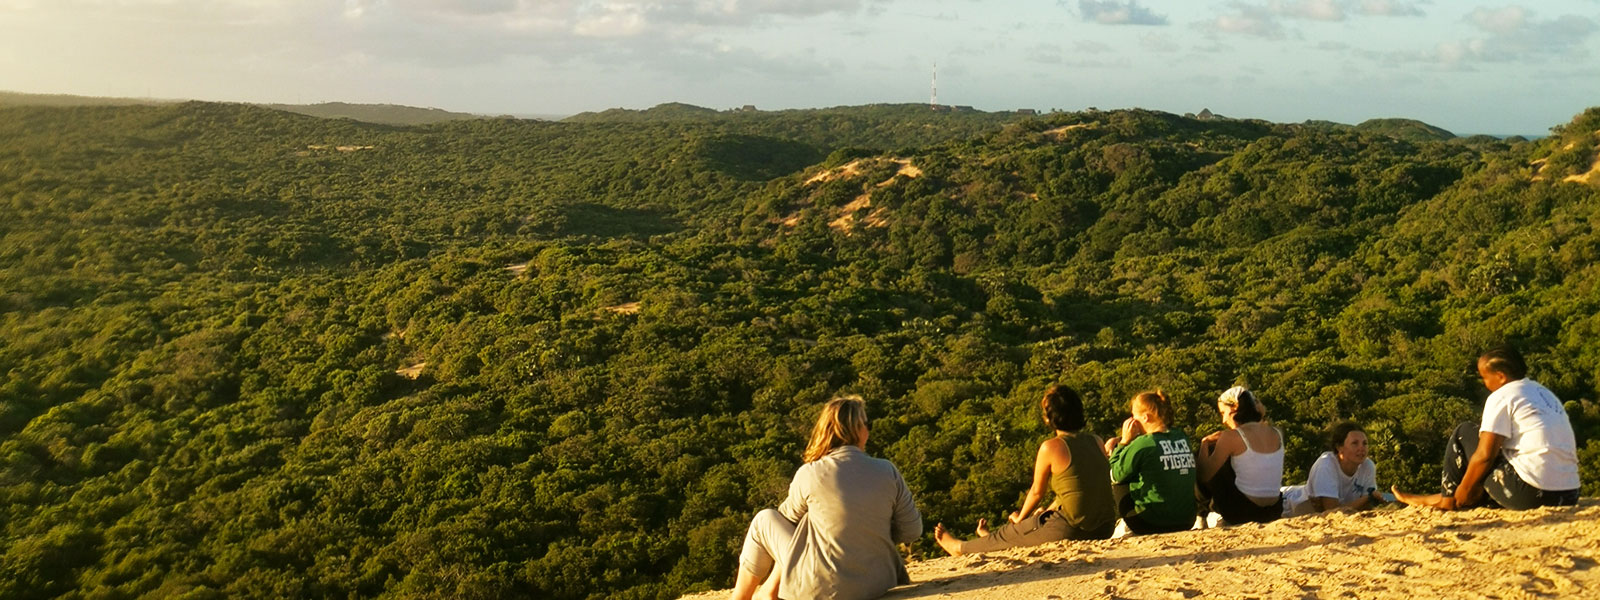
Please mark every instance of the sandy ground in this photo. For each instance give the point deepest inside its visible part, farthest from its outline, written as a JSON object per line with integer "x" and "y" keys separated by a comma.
{"x": 1388, "y": 553}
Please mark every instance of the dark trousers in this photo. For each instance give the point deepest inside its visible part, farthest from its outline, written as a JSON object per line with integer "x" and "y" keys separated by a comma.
{"x": 1503, "y": 487}
{"x": 1222, "y": 496}
{"x": 1136, "y": 523}
{"x": 1048, "y": 526}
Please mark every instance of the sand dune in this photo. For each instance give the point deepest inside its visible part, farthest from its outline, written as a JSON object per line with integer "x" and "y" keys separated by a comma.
{"x": 1388, "y": 553}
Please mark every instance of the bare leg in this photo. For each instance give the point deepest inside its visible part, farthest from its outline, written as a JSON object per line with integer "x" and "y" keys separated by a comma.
{"x": 1428, "y": 500}
{"x": 983, "y": 527}
{"x": 950, "y": 543}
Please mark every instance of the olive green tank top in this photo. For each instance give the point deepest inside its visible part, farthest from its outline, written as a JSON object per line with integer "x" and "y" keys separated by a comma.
{"x": 1083, "y": 491}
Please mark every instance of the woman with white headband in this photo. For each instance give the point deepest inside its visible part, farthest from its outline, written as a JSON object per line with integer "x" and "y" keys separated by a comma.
{"x": 1241, "y": 467}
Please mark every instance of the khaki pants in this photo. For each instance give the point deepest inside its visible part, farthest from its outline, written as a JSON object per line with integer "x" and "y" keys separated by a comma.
{"x": 766, "y": 543}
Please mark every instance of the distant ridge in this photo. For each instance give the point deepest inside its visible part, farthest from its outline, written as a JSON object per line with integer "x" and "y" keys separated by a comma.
{"x": 670, "y": 111}
{"x": 388, "y": 114}
{"x": 21, "y": 99}
{"x": 1410, "y": 130}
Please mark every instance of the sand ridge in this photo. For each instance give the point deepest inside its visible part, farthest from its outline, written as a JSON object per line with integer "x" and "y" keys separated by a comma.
{"x": 1399, "y": 553}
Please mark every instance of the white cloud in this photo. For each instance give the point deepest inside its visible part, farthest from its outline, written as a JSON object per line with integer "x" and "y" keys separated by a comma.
{"x": 1157, "y": 43}
{"x": 1265, "y": 20}
{"x": 1091, "y": 47}
{"x": 1248, "y": 19}
{"x": 1512, "y": 33}
{"x": 1316, "y": 10}
{"x": 1112, "y": 12}
{"x": 1387, "y": 8}
{"x": 1499, "y": 21}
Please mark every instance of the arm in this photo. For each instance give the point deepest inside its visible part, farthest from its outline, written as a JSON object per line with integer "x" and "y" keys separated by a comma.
{"x": 907, "y": 524}
{"x": 1471, "y": 488}
{"x": 795, "y": 506}
{"x": 1124, "y": 464}
{"x": 1327, "y": 504}
{"x": 1041, "y": 478}
{"x": 1215, "y": 450}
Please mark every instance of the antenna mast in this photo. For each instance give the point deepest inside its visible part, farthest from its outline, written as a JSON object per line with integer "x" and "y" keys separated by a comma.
{"x": 935, "y": 101}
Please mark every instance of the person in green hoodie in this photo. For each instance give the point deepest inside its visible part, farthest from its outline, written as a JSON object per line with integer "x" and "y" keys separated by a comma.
{"x": 1157, "y": 465}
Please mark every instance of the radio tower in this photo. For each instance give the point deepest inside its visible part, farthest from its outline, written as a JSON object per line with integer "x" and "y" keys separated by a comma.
{"x": 935, "y": 101}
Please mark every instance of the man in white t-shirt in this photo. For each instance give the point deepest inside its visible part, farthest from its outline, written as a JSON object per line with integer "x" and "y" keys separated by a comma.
{"x": 1524, "y": 454}
{"x": 1342, "y": 478}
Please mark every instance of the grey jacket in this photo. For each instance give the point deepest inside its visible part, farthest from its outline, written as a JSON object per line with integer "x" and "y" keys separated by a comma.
{"x": 849, "y": 511}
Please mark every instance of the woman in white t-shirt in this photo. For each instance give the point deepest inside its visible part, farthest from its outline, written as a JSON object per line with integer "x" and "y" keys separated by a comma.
{"x": 1343, "y": 477}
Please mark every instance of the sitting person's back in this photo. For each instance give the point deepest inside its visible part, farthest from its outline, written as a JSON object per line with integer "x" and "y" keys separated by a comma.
{"x": 834, "y": 536}
{"x": 1072, "y": 466}
{"x": 1241, "y": 467}
{"x": 847, "y": 526}
{"x": 1157, "y": 466}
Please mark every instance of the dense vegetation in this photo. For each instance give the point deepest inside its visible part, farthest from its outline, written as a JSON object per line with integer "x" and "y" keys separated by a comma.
{"x": 624, "y": 325}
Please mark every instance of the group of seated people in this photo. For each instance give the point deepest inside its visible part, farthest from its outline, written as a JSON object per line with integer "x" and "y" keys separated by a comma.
{"x": 835, "y": 534}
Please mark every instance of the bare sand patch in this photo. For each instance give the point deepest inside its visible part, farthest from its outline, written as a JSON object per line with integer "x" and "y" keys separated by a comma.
{"x": 1400, "y": 554}
{"x": 517, "y": 269}
{"x": 1061, "y": 131}
{"x": 1591, "y": 175}
{"x": 626, "y": 308}
{"x": 854, "y": 168}
{"x": 411, "y": 372}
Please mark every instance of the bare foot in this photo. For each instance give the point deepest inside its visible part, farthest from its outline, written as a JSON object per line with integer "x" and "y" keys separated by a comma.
{"x": 950, "y": 543}
{"x": 983, "y": 528}
{"x": 1428, "y": 500}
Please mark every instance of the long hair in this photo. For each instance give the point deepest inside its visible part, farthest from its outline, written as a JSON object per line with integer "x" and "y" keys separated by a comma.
{"x": 839, "y": 424}
{"x": 1157, "y": 400}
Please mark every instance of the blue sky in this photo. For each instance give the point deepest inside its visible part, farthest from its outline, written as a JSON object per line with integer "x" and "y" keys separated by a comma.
{"x": 1466, "y": 66}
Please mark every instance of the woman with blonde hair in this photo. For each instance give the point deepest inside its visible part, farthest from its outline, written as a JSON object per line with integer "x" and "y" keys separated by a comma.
{"x": 1157, "y": 466}
{"x": 835, "y": 535}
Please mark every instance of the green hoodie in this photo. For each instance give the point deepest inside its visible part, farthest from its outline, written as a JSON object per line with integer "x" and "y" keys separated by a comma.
{"x": 1159, "y": 469}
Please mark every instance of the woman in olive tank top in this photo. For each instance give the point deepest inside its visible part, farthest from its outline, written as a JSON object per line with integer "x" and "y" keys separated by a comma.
{"x": 1072, "y": 466}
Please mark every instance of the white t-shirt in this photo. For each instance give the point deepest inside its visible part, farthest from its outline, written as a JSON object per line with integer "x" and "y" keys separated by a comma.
{"x": 1539, "y": 440}
{"x": 1327, "y": 480}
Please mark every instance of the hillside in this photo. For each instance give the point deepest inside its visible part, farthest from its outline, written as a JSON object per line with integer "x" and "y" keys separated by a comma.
{"x": 1410, "y": 130}
{"x": 255, "y": 354}
{"x": 390, "y": 114}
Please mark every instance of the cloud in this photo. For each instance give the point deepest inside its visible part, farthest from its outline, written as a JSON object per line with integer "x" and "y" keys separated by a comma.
{"x": 1157, "y": 43}
{"x": 1248, "y": 19}
{"x": 1266, "y": 20}
{"x": 1091, "y": 47}
{"x": 1049, "y": 54}
{"x": 1112, "y": 12}
{"x": 1512, "y": 33}
{"x": 1387, "y": 8}
{"x": 1316, "y": 10}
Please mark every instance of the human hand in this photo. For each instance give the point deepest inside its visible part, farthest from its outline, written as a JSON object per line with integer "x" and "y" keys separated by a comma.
{"x": 1016, "y": 517}
{"x": 1131, "y": 429}
{"x": 1212, "y": 439}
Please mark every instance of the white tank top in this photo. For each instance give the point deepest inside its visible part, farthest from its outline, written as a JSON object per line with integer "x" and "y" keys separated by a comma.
{"x": 1256, "y": 474}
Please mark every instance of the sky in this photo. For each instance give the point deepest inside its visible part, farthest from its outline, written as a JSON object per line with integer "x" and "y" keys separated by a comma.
{"x": 1469, "y": 67}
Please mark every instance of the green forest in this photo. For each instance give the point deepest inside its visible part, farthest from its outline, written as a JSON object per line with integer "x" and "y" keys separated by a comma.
{"x": 255, "y": 354}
